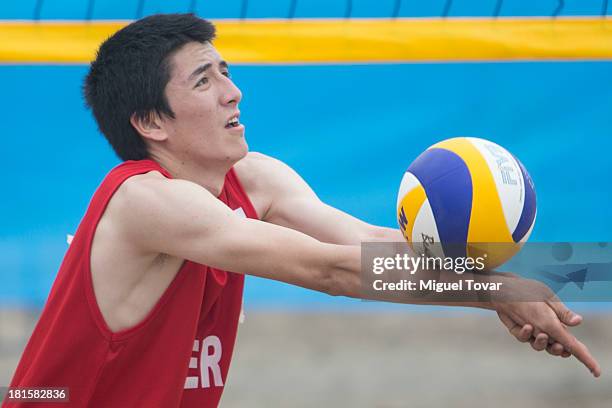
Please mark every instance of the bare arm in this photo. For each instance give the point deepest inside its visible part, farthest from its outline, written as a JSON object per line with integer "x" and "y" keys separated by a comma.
{"x": 290, "y": 202}
{"x": 182, "y": 219}
{"x": 176, "y": 217}
{"x": 293, "y": 204}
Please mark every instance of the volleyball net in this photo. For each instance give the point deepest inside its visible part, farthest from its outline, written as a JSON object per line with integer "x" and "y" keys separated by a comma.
{"x": 317, "y": 31}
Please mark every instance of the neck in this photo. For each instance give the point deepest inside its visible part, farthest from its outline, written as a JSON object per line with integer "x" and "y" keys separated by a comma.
{"x": 210, "y": 175}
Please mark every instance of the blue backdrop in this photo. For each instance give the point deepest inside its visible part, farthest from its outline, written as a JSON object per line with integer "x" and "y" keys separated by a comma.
{"x": 351, "y": 131}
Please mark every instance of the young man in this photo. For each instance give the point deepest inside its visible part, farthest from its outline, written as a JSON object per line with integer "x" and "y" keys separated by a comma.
{"x": 144, "y": 311}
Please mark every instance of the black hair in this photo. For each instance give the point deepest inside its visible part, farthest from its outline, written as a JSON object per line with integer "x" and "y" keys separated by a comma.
{"x": 130, "y": 74}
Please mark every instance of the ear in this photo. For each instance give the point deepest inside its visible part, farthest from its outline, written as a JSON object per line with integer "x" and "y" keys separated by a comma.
{"x": 149, "y": 126}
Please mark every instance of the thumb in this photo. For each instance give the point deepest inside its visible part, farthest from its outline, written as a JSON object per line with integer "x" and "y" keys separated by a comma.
{"x": 564, "y": 314}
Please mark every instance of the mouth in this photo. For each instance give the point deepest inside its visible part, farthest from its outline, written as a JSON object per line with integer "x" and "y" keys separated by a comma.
{"x": 233, "y": 122}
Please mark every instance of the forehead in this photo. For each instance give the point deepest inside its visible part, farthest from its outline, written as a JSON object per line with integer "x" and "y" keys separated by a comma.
{"x": 189, "y": 57}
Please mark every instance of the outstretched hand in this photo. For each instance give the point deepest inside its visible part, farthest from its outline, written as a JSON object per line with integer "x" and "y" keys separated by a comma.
{"x": 540, "y": 318}
{"x": 539, "y": 341}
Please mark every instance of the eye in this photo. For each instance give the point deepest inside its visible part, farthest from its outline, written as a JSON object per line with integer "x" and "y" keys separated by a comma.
{"x": 227, "y": 74}
{"x": 202, "y": 81}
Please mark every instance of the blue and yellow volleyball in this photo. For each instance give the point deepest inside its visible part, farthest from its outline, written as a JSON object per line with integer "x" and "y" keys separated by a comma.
{"x": 467, "y": 197}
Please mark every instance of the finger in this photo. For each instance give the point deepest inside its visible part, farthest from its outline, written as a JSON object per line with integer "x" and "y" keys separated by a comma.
{"x": 550, "y": 341}
{"x": 540, "y": 342}
{"x": 553, "y": 342}
{"x": 522, "y": 333}
{"x": 525, "y": 333}
{"x": 555, "y": 349}
{"x": 506, "y": 320}
{"x": 574, "y": 346}
{"x": 552, "y": 351}
{"x": 564, "y": 313}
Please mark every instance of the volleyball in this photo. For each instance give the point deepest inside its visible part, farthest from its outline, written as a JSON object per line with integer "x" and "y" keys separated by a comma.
{"x": 467, "y": 197}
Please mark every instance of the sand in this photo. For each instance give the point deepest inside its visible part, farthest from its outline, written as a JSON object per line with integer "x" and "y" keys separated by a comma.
{"x": 387, "y": 359}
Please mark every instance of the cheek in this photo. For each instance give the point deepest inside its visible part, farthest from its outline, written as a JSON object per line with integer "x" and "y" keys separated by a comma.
{"x": 196, "y": 121}
{"x": 194, "y": 110}
{"x": 192, "y": 106}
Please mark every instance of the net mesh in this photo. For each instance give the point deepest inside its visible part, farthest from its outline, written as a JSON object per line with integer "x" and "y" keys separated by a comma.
{"x": 290, "y": 9}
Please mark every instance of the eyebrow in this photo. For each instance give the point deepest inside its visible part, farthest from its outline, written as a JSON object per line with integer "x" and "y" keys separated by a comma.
{"x": 203, "y": 68}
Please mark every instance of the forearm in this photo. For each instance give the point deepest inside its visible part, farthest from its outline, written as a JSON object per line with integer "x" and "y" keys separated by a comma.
{"x": 384, "y": 234}
{"x": 298, "y": 259}
{"x": 346, "y": 278}
{"x": 463, "y": 298}
{"x": 462, "y": 292}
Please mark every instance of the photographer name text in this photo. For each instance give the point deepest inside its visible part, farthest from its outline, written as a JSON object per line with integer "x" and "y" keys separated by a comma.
{"x": 434, "y": 285}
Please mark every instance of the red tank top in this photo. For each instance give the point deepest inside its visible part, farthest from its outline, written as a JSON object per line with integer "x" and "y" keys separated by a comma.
{"x": 178, "y": 356}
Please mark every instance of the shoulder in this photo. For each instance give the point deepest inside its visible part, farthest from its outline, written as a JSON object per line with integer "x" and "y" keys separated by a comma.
{"x": 139, "y": 184}
{"x": 263, "y": 178}
{"x": 259, "y": 171}
{"x": 137, "y": 192}
{"x": 154, "y": 214}
{"x": 255, "y": 163}
{"x": 146, "y": 199}
{"x": 142, "y": 189}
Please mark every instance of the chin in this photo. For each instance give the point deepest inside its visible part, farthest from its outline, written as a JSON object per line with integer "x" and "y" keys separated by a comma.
{"x": 245, "y": 149}
{"x": 238, "y": 153}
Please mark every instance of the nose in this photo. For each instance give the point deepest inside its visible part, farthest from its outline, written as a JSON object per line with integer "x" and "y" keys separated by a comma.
{"x": 231, "y": 94}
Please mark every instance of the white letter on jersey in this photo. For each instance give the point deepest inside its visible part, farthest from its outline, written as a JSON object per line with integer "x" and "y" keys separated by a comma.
{"x": 211, "y": 361}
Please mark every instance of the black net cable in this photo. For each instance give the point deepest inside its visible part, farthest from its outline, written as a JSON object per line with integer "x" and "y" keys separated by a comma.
{"x": 558, "y": 9}
{"x": 90, "y": 10}
{"x": 193, "y": 6}
{"x": 292, "y": 8}
{"x": 498, "y": 7}
{"x": 140, "y": 8}
{"x": 37, "y": 9}
{"x": 349, "y": 9}
{"x": 447, "y": 8}
{"x": 396, "y": 8}
{"x": 395, "y": 12}
{"x": 243, "y": 9}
